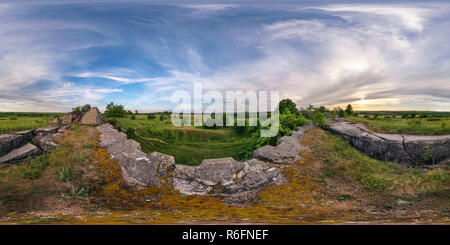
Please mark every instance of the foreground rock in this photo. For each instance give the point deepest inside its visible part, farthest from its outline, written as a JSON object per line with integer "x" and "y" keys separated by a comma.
{"x": 15, "y": 147}
{"x": 236, "y": 182}
{"x": 227, "y": 177}
{"x": 9, "y": 142}
{"x": 287, "y": 149}
{"x": 22, "y": 153}
{"x": 408, "y": 149}
{"x": 138, "y": 168}
{"x": 92, "y": 117}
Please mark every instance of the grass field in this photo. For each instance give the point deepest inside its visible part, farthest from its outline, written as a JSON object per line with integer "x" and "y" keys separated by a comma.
{"x": 17, "y": 121}
{"x": 188, "y": 144}
{"x": 341, "y": 160}
{"x": 420, "y": 126}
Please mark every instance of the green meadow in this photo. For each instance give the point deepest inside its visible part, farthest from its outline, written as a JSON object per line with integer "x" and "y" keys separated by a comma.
{"x": 412, "y": 123}
{"x": 188, "y": 144}
{"x": 10, "y": 122}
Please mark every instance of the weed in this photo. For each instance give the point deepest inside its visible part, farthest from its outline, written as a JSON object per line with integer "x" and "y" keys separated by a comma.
{"x": 65, "y": 173}
{"x": 31, "y": 169}
{"x": 344, "y": 197}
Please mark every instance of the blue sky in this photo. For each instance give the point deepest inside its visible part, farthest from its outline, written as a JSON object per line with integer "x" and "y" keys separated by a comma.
{"x": 377, "y": 56}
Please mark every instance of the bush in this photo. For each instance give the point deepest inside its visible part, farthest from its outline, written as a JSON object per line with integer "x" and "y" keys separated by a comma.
{"x": 318, "y": 118}
{"x": 151, "y": 116}
{"x": 340, "y": 112}
{"x": 113, "y": 110}
{"x": 81, "y": 109}
{"x": 332, "y": 114}
{"x": 349, "y": 110}
{"x": 130, "y": 131}
{"x": 113, "y": 122}
{"x": 287, "y": 105}
{"x": 133, "y": 117}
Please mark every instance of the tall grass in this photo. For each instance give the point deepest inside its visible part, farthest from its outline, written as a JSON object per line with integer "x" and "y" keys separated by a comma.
{"x": 188, "y": 144}
{"x": 18, "y": 123}
{"x": 31, "y": 169}
{"x": 419, "y": 126}
{"x": 341, "y": 160}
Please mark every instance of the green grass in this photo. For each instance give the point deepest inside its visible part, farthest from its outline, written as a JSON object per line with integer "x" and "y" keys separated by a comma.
{"x": 188, "y": 144}
{"x": 31, "y": 169}
{"x": 419, "y": 126}
{"x": 341, "y": 160}
{"x": 17, "y": 123}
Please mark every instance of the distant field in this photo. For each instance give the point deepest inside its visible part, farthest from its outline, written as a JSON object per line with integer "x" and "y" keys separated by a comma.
{"x": 397, "y": 124}
{"x": 22, "y": 121}
{"x": 188, "y": 144}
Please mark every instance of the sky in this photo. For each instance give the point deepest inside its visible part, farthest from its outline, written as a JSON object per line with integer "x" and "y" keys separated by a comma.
{"x": 374, "y": 55}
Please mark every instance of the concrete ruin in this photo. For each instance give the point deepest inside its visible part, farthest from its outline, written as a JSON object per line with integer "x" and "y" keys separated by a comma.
{"x": 399, "y": 148}
{"x": 23, "y": 145}
{"x": 235, "y": 181}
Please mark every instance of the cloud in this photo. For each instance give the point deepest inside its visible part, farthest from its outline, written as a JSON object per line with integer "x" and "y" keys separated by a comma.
{"x": 375, "y": 56}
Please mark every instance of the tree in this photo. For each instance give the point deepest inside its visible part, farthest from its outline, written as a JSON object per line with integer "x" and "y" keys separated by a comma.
{"x": 322, "y": 109}
{"x": 113, "y": 110}
{"x": 332, "y": 114}
{"x": 133, "y": 117}
{"x": 136, "y": 112}
{"x": 287, "y": 105}
{"x": 318, "y": 118}
{"x": 349, "y": 110}
{"x": 151, "y": 116}
{"x": 340, "y": 112}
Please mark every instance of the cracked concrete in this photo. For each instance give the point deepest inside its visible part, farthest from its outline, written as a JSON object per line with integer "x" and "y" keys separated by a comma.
{"x": 407, "y": 149}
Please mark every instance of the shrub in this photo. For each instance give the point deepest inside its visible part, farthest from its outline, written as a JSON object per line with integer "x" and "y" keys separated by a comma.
{"x": 414, "y": 123}
{"x": 130, "y": 131}
{"x": 287, "y": 105}
{"x": 340, "y": 112}
{"x": 151, "y": 116}
{"x": 349, "y": 110}
{"x": 113, "y": 122}
{"x": 133, "y": 117}
{"x": 113, "y": 110}
{"x": 318, "y": 118}
{"x": 81, "y": 109}
{"x": 332, "y": 114}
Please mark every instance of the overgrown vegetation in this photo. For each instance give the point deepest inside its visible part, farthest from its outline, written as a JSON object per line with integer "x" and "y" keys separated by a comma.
{"x": 113, "y": 110}
{"x": 61, "y": 173}
{"x": 191, "y": 144}
{"x": 341, "y": 160}
{"x": 81, "y": 109}
{"x": 31, "y": 169}
{"x": 16, "y": 121}
{"x": 431, "y": 123}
